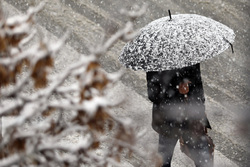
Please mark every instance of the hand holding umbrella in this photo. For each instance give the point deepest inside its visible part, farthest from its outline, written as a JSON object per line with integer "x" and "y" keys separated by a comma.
{"x": 184, "y": 87}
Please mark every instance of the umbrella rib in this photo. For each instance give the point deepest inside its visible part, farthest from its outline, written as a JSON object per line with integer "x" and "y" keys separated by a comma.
{"x": 231, "y": 47}
{"x": 229, "y": 44}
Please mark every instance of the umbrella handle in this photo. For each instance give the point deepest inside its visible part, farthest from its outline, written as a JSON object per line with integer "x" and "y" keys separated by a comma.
{"x": 169, "y": 15}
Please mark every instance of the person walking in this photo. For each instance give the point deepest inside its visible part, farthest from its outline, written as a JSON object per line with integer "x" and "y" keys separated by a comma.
{"x": 169, "y": 50}
{"x": 179, "y": 114}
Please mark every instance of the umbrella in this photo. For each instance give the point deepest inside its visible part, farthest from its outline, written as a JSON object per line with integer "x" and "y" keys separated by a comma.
{"x": 175, "y": 42}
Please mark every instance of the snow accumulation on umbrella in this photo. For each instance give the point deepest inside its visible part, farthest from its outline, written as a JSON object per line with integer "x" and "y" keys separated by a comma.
{"x": 185, "y": 40}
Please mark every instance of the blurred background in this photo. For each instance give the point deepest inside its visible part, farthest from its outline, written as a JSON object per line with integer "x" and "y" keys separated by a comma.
{"x": 226, "y": 78}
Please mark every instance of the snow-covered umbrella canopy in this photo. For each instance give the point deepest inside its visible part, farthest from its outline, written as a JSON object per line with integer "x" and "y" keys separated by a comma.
{"x": 176, "y": 42}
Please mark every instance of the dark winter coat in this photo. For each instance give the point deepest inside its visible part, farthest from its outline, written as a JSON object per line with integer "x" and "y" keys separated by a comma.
{"x": 172, "y": 111}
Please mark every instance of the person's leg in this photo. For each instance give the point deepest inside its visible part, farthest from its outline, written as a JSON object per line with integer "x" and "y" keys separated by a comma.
{"x": 202, "y": 152}
{"x": 166, "y": 149}
{"x": 198, "y": 146}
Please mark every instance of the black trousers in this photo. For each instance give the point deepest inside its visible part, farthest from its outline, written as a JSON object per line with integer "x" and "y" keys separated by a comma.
{"x": 166, "y": 149}
{"x": 194, "y": 142}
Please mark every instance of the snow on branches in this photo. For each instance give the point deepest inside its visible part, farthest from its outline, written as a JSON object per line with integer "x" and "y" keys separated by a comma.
{"x": 47, "y": 113}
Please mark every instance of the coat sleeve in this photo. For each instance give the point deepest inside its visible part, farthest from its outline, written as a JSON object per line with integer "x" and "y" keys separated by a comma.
{"x": 155, "y": 93}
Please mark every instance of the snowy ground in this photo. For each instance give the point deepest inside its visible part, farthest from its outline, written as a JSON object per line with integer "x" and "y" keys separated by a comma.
{"x": 138, "y": 108}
